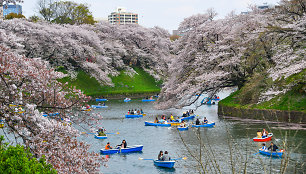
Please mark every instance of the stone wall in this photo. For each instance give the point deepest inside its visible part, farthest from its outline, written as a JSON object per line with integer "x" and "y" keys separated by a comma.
{"x": 259, "y": 114}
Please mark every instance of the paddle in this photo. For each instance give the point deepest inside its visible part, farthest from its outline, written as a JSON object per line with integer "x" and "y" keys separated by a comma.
{"x": 113, "y": 133}
{"x": 87, "y": 133}
{"x": 145, "y": 159}
{"x": 95, "y": 133}
{"x": 175, "y": 159}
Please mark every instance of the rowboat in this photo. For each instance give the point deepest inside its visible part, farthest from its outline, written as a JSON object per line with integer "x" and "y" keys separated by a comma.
{"x": 100, "y": 137}
{"x": 188, "y": 118}
{"x": 101, "y": 99}
{"x": 175, "y": 123}
{"x": 128, "y": 149}
{"x": 147, "y": 100}
{"x": 51, "y": 114}
{"x": 205, "y": 125}
{"x": 86, "y": 109}
{"x": 127, "y": 100}
{"x": 182, "y": 128}
{"x": 277, "y": 154}
{"x": 98, "y": 106}
{"x": 133, "y": 116}
{"x": 150, "y": 123}
{"x": 268, "y": 138}
{"x": 166, "y": 164}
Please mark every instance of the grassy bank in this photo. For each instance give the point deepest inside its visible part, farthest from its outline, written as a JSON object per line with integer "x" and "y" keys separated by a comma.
{"x": 292, "y": 100}
{"x": 124, "y": 84}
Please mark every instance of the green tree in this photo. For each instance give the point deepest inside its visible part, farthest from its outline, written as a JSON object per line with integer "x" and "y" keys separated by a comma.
{"x": 34, "y": 18}
{"x": 65, "y": 12}
{"x": 17, "y": 159}
{"x": 14, "y": 15}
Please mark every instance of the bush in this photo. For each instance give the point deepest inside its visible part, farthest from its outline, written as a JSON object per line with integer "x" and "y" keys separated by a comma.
{"x": 17, "y": 159}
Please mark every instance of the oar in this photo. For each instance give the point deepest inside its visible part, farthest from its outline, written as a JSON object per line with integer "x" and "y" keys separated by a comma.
{"x": 184, "y": 158}
{"x": 145, "y": 159}
{"x": 113, "y": 133}
{"x": 87, "y": 133}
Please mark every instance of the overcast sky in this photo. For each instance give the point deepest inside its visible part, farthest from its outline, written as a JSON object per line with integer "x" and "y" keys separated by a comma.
{"x": 164, "y": 13}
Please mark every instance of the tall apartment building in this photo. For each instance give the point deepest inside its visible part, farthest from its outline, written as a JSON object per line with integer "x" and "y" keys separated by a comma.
{"x": 12, "y": 9}
{"x": 1, "y": 12}
{"x": 120, "y": 16}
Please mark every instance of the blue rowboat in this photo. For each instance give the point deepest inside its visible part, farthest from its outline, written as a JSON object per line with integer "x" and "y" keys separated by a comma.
{"x": 51, "y": 114}
{"x": 205, "y": 125}
{"x": 277, "y": 154}
{"x": 128, "y": 149}
{"x": 166, "y": 164}
{"x": 150, "y": 123}
{"x": 127, "y": 100}
{"x": 100, "y": 137}
{"x": 133, "y": 116}
{"x": 182, "y": 128}
{"x": 188, "y": 118}
{"x": 101, "y": 99}
{"x": 98, "y": 106}
{"x": 147, "y": 100}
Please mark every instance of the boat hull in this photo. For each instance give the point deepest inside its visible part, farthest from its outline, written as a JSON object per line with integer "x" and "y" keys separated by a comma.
{"x": 205, "y": 125}
{"x": 182, "y": 128}
{"x": 133, "y": 116}
{"x": 165, "y": 164}
{"x": 98, "y": 106}
{"x": 101, "y": 137}
{"x": 188, "y": 118}
{"x": 148, "y": 123}
{"x": 129, "y": 149}
{"x": 268, "y": 138}
{"x": 147, "y": 100}
{"x": 101, "y": 99}
{"x": 277, "y": 154}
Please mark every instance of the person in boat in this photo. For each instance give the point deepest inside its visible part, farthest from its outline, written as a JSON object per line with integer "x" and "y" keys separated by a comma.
{"x": 205, "y": 121}
{"x": 132, "y": 112}
{"x": 273, "y": 147}
{"x": 166, "y": 157}
{"x": 103, "y": 104}
{"x": 129, "y": 112}
{"x": 197, "y": 122}
{"x": 259, "y": 135}
{"x": 264, "y": 148}
{"x": 183, "y": 124}
{"x": 122, "y": 145}
{"x": 151, "y": 98}
{"x": 147, "y": 98}
{"x": 156, "y": 120}
{"x": 87, "y": 107}
{"x": 101, "y": 132}
{"x": 160, "y": 155}
{"x": 264, "y": 133}
{"x": 184, "y": 114}
{"x": 171, "y": 118}
{"x": 107, "y": 147}
{"x": 138, "y": 112}
{"x": 141, "y": 111}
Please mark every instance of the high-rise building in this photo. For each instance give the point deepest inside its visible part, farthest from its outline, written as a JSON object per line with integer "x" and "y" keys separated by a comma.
{"x": 1, "y": 12}
{"x": 7, "y": 9}
{"x": 120, "y": 16}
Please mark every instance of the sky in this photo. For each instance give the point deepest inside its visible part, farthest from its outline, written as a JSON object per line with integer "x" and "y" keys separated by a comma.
{"x": 163, "y": 13}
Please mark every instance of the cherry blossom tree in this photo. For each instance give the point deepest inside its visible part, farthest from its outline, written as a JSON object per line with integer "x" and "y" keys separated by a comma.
{"x": 31, "y": 83}
{"x": 213, "y": 54}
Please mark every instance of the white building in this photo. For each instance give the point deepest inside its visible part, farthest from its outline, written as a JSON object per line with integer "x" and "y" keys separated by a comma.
{"x": 120, "y": 16}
